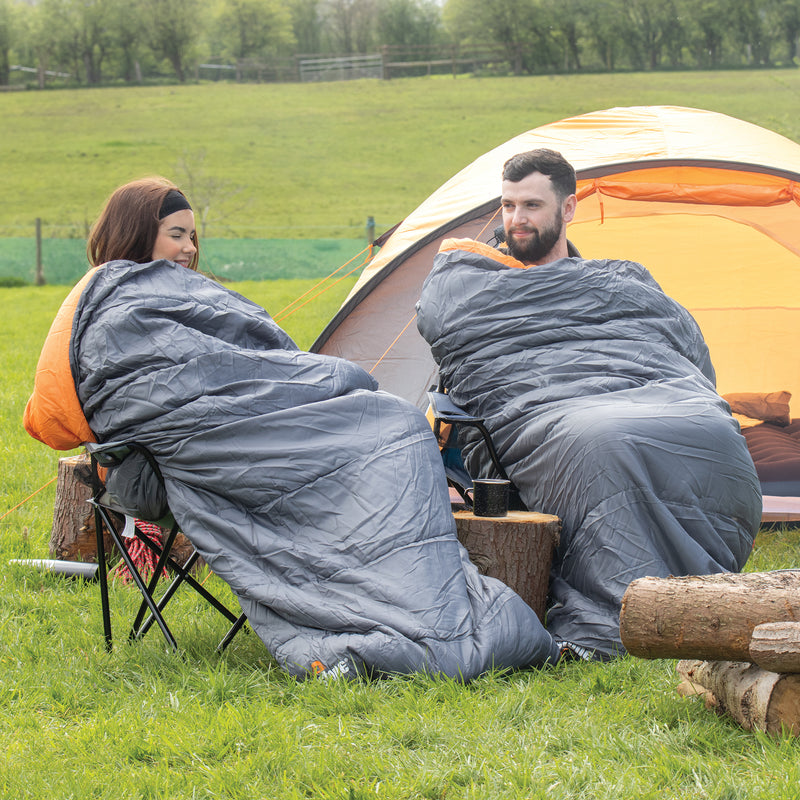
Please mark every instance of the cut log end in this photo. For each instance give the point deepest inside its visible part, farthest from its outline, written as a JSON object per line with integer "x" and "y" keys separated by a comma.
{"x": 775, "y": 646}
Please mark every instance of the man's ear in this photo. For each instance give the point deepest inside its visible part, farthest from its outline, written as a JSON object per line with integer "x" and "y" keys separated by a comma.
{"x": 570, "y": 205}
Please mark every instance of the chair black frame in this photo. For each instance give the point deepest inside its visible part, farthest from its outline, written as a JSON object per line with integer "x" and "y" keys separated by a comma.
{"x": 445, "y": 410}
{"x": 111, "y": 455}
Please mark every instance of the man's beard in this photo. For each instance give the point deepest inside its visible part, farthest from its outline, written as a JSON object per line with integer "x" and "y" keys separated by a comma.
{"x": 542, "y": 241}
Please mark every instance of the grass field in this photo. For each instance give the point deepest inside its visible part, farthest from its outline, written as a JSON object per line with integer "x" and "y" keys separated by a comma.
{"x": 314, "y": 161}
{"x": 78, "y": 722}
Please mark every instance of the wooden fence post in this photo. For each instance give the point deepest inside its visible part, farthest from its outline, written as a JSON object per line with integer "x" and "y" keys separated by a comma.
{"x": 39, "y": 279}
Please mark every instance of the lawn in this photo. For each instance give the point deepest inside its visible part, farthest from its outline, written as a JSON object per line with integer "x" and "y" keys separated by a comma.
{"x": 78, "y": 722}
{"x": 312, "y": 162}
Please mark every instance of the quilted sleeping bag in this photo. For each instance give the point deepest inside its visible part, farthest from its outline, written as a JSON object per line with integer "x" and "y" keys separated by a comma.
{"x": 599, "y": 393}
{"x": 321, "y": 500}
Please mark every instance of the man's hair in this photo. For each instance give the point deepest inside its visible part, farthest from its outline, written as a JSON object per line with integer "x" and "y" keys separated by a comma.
{"x": 128, "y": 224}
{"x": 548, "y": 162}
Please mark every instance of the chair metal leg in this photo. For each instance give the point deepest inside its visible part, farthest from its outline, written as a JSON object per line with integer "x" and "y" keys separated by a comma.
{"x": 102, "y": 575}
{"x": 138, "y": 580}
{"x": 163, "y": 555}
{"x": 111, "y": 455}
{"x": 183, "y": 573}
{"x": 235, "y": 628}
{"x": 147, "y": 589}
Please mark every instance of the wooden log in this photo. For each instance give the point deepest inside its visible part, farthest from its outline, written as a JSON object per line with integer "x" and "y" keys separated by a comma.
{"x": 775, "y": 646}
{"x": 72, "y": 537}
{"x": 709, "y": 617}
{"x": 517, "y": 549}
{"x": 756, "y": 698}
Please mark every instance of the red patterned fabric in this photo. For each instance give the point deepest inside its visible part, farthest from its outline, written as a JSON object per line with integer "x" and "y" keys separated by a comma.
{"x": 143, "y": 558}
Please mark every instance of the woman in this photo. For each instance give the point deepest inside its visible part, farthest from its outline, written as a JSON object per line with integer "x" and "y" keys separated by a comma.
{"x": 143, "y": 221}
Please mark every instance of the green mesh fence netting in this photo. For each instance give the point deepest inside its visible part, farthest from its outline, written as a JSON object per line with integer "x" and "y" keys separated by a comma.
{"x": 64, "y": 260}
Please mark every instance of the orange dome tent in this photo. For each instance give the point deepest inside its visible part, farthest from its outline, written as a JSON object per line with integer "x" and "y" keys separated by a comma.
{"x": 708, "y": 203}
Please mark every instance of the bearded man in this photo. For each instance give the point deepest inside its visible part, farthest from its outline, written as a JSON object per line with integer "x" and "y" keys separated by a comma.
{"x": 600, "y": 395}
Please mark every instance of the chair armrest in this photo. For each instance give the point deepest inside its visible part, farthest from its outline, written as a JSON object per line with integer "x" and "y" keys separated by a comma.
{"x": 109, "y": 454}
{"x": 446, "y": 410}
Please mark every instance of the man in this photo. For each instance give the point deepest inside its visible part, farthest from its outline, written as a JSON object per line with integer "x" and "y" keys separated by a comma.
{"x": 599, "y": 393}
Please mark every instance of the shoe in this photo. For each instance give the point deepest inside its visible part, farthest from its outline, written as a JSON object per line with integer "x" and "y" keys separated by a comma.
{"x": 569, "y": 651}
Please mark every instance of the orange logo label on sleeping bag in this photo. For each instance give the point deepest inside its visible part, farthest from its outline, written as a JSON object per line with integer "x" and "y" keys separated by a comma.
{"x": 321, "y": 671}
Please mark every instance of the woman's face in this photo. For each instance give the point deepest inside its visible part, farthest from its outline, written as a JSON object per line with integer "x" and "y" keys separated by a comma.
{"x": 175, "y": 239}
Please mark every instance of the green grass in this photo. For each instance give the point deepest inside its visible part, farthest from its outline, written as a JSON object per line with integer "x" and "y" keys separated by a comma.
{"x": 314, "y": 161}
{"x": 78, "y": 722}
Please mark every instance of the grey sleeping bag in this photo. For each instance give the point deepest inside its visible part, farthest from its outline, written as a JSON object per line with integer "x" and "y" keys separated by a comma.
{"x": 599, "y": 393}
{"x": 320, "y": 500}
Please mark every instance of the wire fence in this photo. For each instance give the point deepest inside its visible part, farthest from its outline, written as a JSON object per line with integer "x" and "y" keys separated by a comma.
{"x": 63, "y": 261}
{"x": 216, "y": 229}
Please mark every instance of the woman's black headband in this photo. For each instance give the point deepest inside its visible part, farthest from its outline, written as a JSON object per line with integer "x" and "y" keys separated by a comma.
{"x": 173, "y": 201}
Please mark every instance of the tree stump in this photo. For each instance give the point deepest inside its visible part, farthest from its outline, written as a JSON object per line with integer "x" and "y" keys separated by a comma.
{"x": 709, "y": 617}
{"x": 756, "y": 698}
{"x": 72, "y": 537}
{"x": 517, "y": 549}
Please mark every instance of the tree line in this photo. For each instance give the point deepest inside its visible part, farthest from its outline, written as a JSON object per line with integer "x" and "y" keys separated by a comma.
{"x": 94, "y": 42}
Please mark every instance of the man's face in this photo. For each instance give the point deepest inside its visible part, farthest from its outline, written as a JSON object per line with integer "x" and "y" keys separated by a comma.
{"x": 533, "y": 218}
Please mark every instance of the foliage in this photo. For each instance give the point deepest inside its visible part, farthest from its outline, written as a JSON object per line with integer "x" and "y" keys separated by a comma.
{"x": 95, "y": 41}
{"x": 8, "y": 35}
{"x": 173, "y": 28}
{"x": 409, "y": 23}
{"x": 253, "y": 28}
{"x": 139, "y": 722}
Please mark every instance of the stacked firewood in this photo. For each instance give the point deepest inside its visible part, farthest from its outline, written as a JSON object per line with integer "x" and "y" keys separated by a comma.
{"x": 737, "y": 635}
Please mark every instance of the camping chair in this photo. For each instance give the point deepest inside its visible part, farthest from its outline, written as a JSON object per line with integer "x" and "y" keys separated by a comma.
{"x": 106, "y": 508}
{"x": 444, "y": 410}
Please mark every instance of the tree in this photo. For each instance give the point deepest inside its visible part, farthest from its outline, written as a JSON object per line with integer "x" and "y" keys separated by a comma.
{"x": 567, "y": 18}
{"x": 78, "y": 35}
{"x": 787, "y": 13}
{"x": 408, "y": 23}
{"x": 8, "y": 35}
{"x": 45, "y": 42}
{"x": 520, "y": 27}
{"x": 706, "y": 23}
{"x": 654, "y": 23}
{"x": 253, "y": 28}
{"x": 128, "y": 28}
{"x": 307, "y": 25}
{"x": 747, "y": 25}
{"x": 350, "y": 25}
{"x": 173, "y": 28}
{"x": 606, "y": 26}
